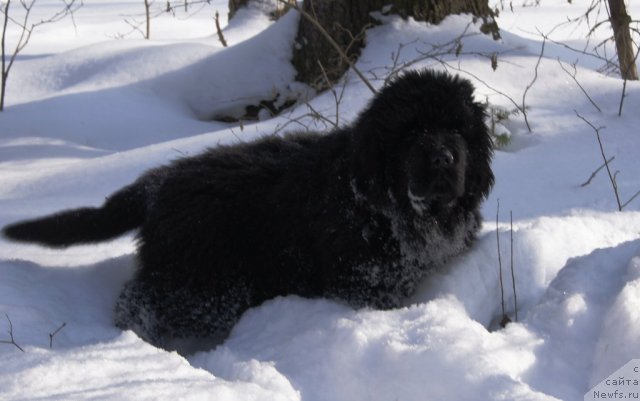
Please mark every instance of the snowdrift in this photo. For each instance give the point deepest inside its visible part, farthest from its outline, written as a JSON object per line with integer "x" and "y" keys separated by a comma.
{"x": 83, "y": 121}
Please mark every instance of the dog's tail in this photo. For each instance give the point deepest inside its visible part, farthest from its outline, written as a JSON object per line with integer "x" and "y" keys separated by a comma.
{"x": 123, "y": 211}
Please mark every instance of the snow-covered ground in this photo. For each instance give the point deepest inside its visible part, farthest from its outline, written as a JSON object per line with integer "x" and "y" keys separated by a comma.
{"x": 90, "y": 105}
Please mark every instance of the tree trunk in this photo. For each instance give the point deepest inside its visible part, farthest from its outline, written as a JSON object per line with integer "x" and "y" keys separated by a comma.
{"x": 234, "y": 5}
{"x": 147, "y": 30}
{"x": 277, "y": 10}
{"x": 624, "y": 45}
{"x": 346, "y": 20}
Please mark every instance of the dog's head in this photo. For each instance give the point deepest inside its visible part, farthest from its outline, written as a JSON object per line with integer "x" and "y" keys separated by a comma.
{"x": 422, "y": 142}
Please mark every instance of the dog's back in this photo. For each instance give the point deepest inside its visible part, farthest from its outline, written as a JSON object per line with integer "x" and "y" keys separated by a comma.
{"x": 226, "y": 176}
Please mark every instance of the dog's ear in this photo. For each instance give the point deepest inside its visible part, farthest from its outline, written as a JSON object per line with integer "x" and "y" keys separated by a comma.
{"x": 372, "y": 141}
{"x": 480, "y": 178}
{"x": 368, "y": 164}
{"x": 479, "y": 175}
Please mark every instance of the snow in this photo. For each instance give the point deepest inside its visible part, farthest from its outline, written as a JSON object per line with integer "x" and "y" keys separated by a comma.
{"x": 91, "y": 105}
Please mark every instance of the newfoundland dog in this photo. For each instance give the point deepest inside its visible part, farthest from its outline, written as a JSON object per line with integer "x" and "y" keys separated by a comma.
{"x": 360, "y": 214}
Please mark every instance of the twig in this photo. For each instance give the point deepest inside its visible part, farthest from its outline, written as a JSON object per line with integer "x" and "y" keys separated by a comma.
{"x": 135, "y": 27}
{"x": 26, "y": 30}
{"x": 607, "y": 61}
{"x": 573, "y": 76}
{"x": 219, "y": 30}
{"x": 4, "y": 73}
{"x": 313, "y": 114}
{"x": 395, "y": 61}
{"x": 622, "y": 96}
{"x": 171, "y": 8}
{"x": 454, "y": 46}
{"x": 530, "y": 85}
{"x": 518, "y": 106}
{"x": 505, "y": 319}
{"x": 319, "y": 116}
{"x": 336, "y": 98}
{"x": 12, "y": 340}
{"x": 513, "y": 276}
{"x": 606, "y": 163}
{"x": 624, "y": 83}
{"x": 438, "y": 51}
{"x": 630, "y": 199}
{"x": 51, "y": 335}
{"x": 147, "y": 27}
{"x": 593, "y": 175}
{"x": 316, "y": 115}
{"x": 596, "y": 7}
{"x": 151, "y": 12}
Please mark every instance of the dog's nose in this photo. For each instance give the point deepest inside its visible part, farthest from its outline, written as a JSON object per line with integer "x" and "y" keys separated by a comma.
{"x": 442, "y": 158}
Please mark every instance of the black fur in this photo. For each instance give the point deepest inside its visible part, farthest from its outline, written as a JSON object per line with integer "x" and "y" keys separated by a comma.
{"x": 360, "y": 214}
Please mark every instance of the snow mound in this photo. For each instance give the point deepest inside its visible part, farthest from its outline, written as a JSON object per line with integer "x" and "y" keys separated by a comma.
{"x": 85, "y": 120}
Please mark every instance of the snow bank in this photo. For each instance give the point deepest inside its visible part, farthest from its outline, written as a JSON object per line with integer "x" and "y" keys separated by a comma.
{"x": 125, "y": 368}
{"x": 88, "y": 119}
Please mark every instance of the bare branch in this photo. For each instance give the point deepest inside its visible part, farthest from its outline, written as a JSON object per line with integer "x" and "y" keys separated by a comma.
{"x": 624, "y": 85}
{"x": 513, "y": 276}
{"x": 135, "y": 27}
{"x": 51, "y": 335}
{"x": 12, "y": 341}
{"x": 530, "y": 85}
{"x": 505, "y": 319}
{"x": 5, "y": 72}
{"x": 593, "y": 175}
{"x": 606, "y": 163}
{"x": 336, "y": 98}
{"x": 147, "y": 29}
{"x": 170, "y": 8}
{"x": 573, "y": 76}
{"x": 631, "y": 199}
{"x": 26, "y": 30}
{"x": 438, "y": 52}
{"x": 520, "y": 107}
{"x": 219, "y": 30}
{"x": 316, "y": 115}
{"x": 137, "y": 20}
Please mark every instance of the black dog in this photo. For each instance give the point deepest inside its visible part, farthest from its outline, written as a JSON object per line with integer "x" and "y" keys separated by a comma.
{"x": 360, "y": 214}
